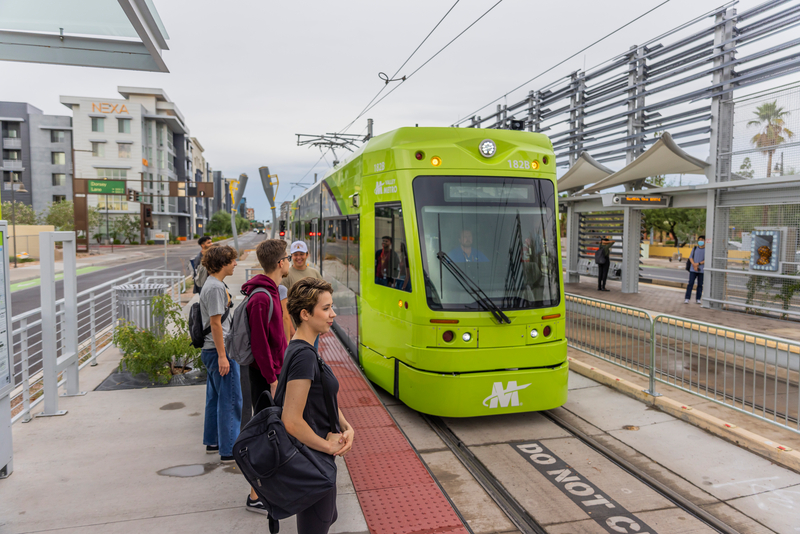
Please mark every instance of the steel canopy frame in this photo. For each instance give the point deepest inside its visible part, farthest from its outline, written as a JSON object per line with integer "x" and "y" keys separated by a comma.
{"x": 84, "y": 51}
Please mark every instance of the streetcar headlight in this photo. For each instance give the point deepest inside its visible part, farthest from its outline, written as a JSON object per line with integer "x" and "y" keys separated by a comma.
{"x": 436, "y": 161}
{"x": 466, "y": 337}
{"x": 534, "y": 333}
{"x": 487, "y": 148}
{"x": 535, "y": 165}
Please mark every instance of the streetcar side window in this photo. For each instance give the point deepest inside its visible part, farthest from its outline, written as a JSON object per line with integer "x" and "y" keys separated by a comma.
{"x": 391, "y": 251}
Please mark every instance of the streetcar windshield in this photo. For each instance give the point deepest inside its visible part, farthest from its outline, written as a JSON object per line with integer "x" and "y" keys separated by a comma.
{"x": 499, "y": 232}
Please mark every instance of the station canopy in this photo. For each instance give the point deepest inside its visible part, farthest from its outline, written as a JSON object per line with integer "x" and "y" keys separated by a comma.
{"x": 585, "y": 171}
{"x": 664, "y": 157}
{"x": 119, "y": 34}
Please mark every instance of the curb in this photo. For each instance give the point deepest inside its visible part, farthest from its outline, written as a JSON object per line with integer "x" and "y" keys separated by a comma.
{"x": 775, "y": 452}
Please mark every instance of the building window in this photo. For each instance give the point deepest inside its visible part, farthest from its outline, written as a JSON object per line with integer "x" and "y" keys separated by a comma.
{"x": 159, "y": 135}
{"x": 124, "y": 125}
{"x": 98, "y": 150}
{"x": 98, "y": 124}
{"x": 149, "y": 129}
{"x": 124, "y": 149}
{"x": 57, "y": 136}
{"x": 114, "y": 203}
{"x": 59, "y": 198}
{"x": 12, "y": 130}
{"x": 59, "y": 158}
{"x": 12, "y": 155}
{"x": 59, "y": 178}
{"x": 112, "y": 174}
{"x": 160, "y": 159}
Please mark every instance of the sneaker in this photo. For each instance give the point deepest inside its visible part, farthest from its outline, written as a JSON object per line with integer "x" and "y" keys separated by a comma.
{"x": 699, "y": 302}
{"x": 227, "y": 459}
{"x": 212, "y": 449}
{"x": 256, "y": 506}
{"x": 686, "y": 301}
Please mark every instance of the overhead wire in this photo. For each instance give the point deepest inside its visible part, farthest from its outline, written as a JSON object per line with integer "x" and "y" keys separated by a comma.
{"x": 434, "y": 55}
{"x": 470, "y": 115}
{"x": 399, "y": 68}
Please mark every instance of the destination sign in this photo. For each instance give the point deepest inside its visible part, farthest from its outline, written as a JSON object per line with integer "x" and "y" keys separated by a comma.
{"x": 632, "y": 199}
{"x": 106, "y": 187}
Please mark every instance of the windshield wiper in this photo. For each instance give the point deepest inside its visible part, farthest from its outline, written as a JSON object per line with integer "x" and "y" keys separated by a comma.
{"x": 472, "y": 288}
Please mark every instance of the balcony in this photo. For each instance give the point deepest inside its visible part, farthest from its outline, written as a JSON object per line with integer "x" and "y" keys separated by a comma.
{"x": 10, "y": 143}
{"x": 12, "y": 164}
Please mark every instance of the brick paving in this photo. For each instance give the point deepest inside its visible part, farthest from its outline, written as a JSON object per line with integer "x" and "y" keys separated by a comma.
{"x": 666, "y": 300}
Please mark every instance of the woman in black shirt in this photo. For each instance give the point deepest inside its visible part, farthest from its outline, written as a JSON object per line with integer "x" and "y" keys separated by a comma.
{"x": 305, "y": 412}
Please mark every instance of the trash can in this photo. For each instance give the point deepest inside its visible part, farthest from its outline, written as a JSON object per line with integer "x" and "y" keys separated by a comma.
{"x": 135, "y": 303}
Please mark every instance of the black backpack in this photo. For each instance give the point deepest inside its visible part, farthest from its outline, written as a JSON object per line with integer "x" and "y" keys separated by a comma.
{"x": 288, "y": 476}
{"x": 196, "y": 330}
{"x": 600, "y": 256}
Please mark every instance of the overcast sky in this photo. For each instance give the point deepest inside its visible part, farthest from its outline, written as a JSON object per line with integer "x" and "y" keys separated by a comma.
{"x": 249, "y": 74}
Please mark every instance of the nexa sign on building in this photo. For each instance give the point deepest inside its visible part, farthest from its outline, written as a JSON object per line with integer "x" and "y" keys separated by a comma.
{"x": 504, "y": 397}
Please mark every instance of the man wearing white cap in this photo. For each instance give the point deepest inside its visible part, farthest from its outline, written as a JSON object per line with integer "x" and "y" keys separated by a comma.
{"x": 299, "y": 270}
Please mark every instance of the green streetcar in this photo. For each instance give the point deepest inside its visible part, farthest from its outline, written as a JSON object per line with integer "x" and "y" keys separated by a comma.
{"x": 442, "y": 245}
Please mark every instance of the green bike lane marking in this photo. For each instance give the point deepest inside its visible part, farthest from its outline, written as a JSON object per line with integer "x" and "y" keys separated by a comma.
{"x": 37, "y": 281}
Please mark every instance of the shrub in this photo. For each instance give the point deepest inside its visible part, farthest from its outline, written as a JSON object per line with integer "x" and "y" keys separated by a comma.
{"x": 117, "y": 242}
{"x": 159, "y": 351}
{"x": 150, "y": 242}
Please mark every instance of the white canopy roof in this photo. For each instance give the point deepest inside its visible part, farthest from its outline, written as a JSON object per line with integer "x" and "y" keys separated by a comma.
{"x": 664, "y": 157}
{"x": 585, "y": 171}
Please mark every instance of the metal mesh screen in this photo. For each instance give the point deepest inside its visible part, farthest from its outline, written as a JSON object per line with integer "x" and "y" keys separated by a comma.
{"x": 766, "y": 136}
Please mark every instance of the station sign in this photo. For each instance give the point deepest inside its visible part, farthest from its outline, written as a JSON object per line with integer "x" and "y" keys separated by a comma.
{"x": 106, "y": 187}
{"x": 634, "y": 200}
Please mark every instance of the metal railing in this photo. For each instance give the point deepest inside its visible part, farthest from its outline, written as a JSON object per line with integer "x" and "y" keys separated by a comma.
{"x": 749, "y": 372}
{"x": 97, "y": 315}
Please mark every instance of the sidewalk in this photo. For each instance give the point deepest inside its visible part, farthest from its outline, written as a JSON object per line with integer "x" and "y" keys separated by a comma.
{"x": 103, "y": 466}
{"x": 667, "y": 300}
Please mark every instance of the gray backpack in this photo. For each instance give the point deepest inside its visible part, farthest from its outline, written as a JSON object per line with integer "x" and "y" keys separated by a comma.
{"x": 237, "y": 344}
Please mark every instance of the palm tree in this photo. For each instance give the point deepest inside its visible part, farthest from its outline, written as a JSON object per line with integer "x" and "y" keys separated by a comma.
{"x": 770, "y": 118}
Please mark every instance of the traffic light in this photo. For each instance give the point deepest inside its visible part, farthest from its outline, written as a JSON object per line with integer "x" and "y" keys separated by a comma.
{"x": 131, "y": 194}
{"x": 282, "y": 228}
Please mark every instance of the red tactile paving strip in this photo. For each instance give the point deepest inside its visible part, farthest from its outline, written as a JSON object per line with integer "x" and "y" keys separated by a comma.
{"x": 395, "y": 490}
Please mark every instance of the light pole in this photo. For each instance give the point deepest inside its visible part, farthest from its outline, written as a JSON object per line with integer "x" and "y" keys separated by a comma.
{"x": 14, "y": 215}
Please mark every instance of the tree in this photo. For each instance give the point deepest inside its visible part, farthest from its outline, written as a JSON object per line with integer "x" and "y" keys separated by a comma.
{"x": 682, "y": 223}
{"x": 22, "y": 213}
{"x": 221, "y": 224}
{"x": 746, "y": 168}
{"x": 125, "y": 228}
{"x": 770, "y": 118}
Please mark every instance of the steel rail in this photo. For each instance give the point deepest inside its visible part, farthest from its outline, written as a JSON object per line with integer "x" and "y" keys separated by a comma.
{"x": 515, "y": 512}
{"x": 679, "y": 500}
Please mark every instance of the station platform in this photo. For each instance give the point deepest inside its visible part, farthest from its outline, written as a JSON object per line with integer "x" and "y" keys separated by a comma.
{"x": 660, "y": 299}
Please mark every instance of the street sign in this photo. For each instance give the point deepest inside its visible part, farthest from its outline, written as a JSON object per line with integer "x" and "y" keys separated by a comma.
{"x": 106, "y": 187}
{"x": 635, "y": 200}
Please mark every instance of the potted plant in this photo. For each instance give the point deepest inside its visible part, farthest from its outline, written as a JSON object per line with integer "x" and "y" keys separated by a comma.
{"x": 161, "y": 352}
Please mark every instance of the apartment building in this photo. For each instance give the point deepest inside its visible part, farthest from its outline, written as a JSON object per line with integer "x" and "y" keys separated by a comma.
{"x": 37, "y": 155}
{"x": 141, "y": 138}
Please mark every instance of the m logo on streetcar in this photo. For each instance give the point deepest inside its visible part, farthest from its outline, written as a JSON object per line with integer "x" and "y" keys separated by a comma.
{"x": 504, "y": 397}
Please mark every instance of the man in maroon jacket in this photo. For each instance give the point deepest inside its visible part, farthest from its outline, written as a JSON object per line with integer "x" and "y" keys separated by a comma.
{"x": 267, "y": 338}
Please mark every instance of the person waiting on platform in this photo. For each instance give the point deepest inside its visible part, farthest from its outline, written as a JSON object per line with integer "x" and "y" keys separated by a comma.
{"x": 387, "y": 263}
{"x": 310, "y": 403}
{"x": 697, "y": 260}
{"x": 223, "y": 415}
{"x": 603, "y": 260}
{"x": 465, "y": 252}
{"x": 299, "y": 269}
{"x": 200, "y": 274}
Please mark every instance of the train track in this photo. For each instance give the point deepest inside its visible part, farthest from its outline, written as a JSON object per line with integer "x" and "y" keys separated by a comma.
{"x": 517, "y": 513}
